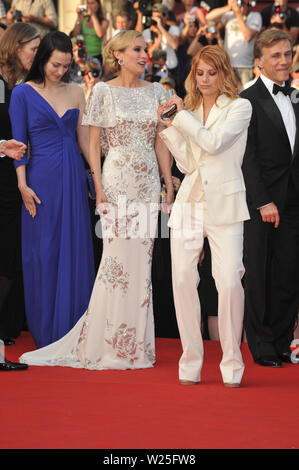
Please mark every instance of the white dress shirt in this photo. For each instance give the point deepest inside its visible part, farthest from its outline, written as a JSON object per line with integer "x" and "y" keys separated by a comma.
{"x": 286, "y": 109}
{"x": 2, "y": 154}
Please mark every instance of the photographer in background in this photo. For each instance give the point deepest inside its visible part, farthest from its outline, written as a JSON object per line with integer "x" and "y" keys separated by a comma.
{"x": 280, "y": 12}
{"x": 162, "y": 36}
{"x": 143, "y": 11}
{"x": 80, "y": 59}
{"x": 91, "y": 77}
{"x": 122, "y": 22}
{"x": 156, "y": 69}
{"x": 207, "y": 35}
{"x": 40, "y": 13}
{"x": 92, "y": 25}
{"x": 192, "y": 10}
{"x": 241, "y": 27}
{"x": 188, "y": 34}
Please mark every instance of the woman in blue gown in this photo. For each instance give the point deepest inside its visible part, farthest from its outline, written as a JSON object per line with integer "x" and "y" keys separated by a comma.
{"x": 57, "y": 254}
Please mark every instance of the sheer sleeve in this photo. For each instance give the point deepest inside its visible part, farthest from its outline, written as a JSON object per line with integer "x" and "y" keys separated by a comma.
{"x": 19, "y": 120}
{"x": 99, "y": 110}
{"x": 161, "y": 93}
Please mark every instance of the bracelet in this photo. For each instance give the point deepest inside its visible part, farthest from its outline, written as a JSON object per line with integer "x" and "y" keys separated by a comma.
{"x": 169, "y": 182}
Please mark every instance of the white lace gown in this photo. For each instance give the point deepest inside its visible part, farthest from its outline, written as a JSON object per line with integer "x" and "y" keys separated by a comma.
{"x": 117, "y": 330}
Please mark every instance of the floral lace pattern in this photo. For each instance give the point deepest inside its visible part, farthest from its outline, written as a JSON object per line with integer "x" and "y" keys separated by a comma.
{"x": 112, "y": 274}
{"x": 124, "y": 342}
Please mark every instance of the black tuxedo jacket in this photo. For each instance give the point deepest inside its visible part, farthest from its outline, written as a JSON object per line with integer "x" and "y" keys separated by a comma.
{"x": 269, "y": 162}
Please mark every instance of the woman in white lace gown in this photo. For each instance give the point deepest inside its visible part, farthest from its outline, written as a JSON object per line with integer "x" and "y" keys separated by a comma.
{"x": 117, "y": 330}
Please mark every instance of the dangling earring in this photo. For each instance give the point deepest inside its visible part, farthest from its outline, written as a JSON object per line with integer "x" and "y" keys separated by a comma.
{"x": 120, "y": 62}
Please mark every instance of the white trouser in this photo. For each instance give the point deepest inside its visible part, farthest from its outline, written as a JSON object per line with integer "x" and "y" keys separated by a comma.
{"x": 226, "y": 244}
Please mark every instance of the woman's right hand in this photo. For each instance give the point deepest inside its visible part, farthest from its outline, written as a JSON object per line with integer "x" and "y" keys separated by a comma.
{"x": 101, "y": 202}
{"x": 29, "y": 198}
{"x": 160, "y": 111}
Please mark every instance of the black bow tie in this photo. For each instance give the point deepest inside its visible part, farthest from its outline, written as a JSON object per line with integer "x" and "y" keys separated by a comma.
{"x": 286, "y": 90}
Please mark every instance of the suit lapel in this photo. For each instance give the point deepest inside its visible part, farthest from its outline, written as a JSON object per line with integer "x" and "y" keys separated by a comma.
{"x": 269, "y": 106}
{"x": 217, "y": 109}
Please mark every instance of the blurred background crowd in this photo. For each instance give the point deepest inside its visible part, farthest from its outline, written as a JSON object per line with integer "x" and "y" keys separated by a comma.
{"x": 174, "y": 31}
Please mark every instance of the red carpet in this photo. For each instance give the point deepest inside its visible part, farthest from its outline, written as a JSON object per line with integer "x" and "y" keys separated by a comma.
{"x": 64, "y": 408}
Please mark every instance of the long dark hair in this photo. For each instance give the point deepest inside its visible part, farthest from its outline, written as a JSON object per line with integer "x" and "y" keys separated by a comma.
{"x": 55, "y": 40}
{"x": 100, "y": 13}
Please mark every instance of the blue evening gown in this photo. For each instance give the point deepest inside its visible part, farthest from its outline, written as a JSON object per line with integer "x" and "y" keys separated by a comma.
{"x": 57, "y": 251}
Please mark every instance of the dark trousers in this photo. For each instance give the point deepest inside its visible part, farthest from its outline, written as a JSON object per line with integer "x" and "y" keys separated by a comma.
{"x": 271, "y": 283}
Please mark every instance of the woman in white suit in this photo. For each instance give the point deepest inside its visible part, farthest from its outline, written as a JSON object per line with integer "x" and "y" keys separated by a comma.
{"x": 207, "y": 138}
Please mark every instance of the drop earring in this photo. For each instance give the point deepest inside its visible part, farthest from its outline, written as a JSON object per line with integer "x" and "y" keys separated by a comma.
{"x": 120, "y": 62}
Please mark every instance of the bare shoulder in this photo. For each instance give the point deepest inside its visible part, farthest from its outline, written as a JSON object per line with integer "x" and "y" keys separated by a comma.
{"x": 74, "y": 89}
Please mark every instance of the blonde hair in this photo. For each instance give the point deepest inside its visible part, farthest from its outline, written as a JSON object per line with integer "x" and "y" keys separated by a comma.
{"x": 218, "y": 58}
{"x": 119, "y": 42}
{"x": 14, "y": 37}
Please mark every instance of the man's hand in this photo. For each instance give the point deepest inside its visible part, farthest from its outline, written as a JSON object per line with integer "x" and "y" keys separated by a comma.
{"x": 277, "y": 19}
{"x": 234, "y": 6}
{"x": 269, "y": 213}
{"x": 159, "y": 23}
{"x": 28, "y": 18}
{"x": 13, "y": 149}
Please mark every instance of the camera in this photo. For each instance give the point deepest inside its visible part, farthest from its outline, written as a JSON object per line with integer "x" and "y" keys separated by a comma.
{"x": 82, "y": 8}
{"x": 277, "y": 9}
{"x": 145, "y": 7}
{"x": 95, "y": 73}
{"x": 81, "y": 46}
{"x": 211, "y": 29}
{"x": 249, "y": 3}
{"x": 155, "y": 68}
{"x": 152, "y": 22}
{"x": 17, "y": 15}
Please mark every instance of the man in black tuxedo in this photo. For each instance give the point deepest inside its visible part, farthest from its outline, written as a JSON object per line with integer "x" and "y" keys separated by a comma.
{"x": 14, "y": 149}
{"x": 271, "y": 236}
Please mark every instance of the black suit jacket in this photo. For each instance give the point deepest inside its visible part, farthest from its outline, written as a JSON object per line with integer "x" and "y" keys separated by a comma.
{"x": 269, "y": 162}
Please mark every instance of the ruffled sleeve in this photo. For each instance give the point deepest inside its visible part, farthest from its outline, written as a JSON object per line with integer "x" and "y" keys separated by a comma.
{"x": 161, "y": 94}
{"x": 99, "y": 110}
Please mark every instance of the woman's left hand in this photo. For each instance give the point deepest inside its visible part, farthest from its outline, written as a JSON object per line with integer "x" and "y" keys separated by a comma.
{"x": 160, "y": 111}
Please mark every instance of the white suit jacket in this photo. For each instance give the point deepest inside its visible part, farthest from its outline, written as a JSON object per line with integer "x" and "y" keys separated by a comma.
{"x": 215, "y": 151}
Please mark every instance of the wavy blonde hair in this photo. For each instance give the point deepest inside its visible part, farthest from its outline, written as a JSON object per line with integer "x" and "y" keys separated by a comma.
{"x": 218, "y": 58}
{"x": 15, "y": 37}
{"x": 119, "y": 42}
